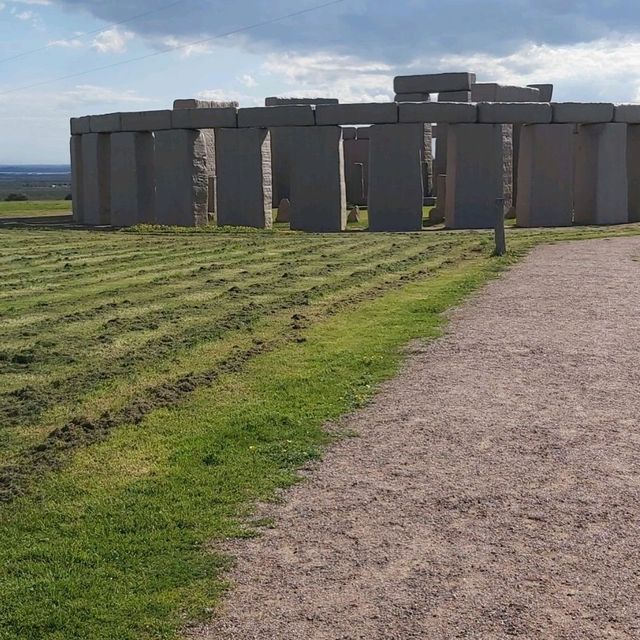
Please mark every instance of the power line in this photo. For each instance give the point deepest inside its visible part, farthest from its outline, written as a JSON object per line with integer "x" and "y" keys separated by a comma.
{"x": 256, "y": 25}
{"x": 96, "y": 31}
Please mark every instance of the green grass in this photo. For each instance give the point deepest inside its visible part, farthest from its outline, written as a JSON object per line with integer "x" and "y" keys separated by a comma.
{"x": 34, "y": 209}
{"x": 153, "y": 387}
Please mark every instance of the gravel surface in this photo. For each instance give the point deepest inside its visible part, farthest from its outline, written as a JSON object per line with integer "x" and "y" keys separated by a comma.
{"x": 494, "y": 491}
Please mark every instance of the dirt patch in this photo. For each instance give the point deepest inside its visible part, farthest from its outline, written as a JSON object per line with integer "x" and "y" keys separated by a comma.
{"x": 494, "y": 491}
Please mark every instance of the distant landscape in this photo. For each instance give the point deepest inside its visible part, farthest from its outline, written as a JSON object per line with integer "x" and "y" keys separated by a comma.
{"x": 36, "y": 181}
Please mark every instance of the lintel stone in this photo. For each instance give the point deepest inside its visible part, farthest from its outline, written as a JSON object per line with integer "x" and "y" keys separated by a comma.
{"x": 194, "y": 103}
{"x": 582, "y": 112}
{"x": 274, "y": 101}
{"x": 359, "y": 113}
{"x": 146, "y": 120}
{"x": 412, "y": 97}
{"x": 107, "y": 123}
{"x": 454, "y": 96}
{"x": 514, "y": 112}
{"x": 446, "y": 112}
{"x": 434, "y": 83}
{"x": 494, "y": 92}
{"x": 628, "y": 113}
{"x": 349, "y": 133}
{"x": 546, "y": 91}
{"x": 204, "y": 118}
{"x": 80, "y": 125}
{"x": 296, "y": 115}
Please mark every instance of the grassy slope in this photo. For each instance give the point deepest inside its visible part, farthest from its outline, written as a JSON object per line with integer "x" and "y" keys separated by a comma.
{"x": 112, "y": 545}
{"x": 32, "y": 209}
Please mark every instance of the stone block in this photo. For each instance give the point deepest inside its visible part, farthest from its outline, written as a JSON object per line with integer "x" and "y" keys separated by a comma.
{"x": 356, "y": 171}
{"x": 318, "y": 196}
{"x": 80, "y": 125}
{"x": 243, "y": 163}
{"x": 493, "y": 92}
{"x": 283, "y": 116}
{"x": 132, "y": 179}
{"x": 284, "y": 210}
{"x": 107, "y": 123}
{"x": 362, "y": 133}
{"x": 437, "y": 213}
{"x": 146, "y": 120}
{"x": 627, "y": 113}
{"x": 546, "y": 91}
{"x": 77, "y": 200}
{"x": 440, "y": 112}
{"x": 412, "y": 97}
{"x": 476, "y": 193}
{"x": 282, "y": 141}
{"x": 359, "y": 113}
{"x": 348, "y": 133}
{"x": 204, "y": 118}
{"x": 601, "y": 187}
{"x": 96, "y": 179}
{"x": 454, "y": 96}
{"x": 514, "y": 112}
{"x": 633, "y": 171}
{"x": 545, "y": 176}
{"x": 275, "y": 101}
{"x": 396, "y": 188}
{"x": 182, "y": 188}
{"x": 582, "y": 112}
{"x": 194, "y": 103}
{"x": 434, "y": 83}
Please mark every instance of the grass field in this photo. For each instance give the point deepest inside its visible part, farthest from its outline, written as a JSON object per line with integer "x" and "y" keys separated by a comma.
{"x": 154, "y": 386}
{"x": 31, "y": 209}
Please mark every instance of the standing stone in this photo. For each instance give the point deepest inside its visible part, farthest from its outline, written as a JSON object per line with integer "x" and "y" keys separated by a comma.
{"x": 545, "y": 176}
{"x": 181, "y": 178}
{"x": 476, "y": 176}
{"x": 318, "y": 193}
{"x": 356, "y": 166}
{"x": 354, "y": 214}
{"x": 77, "y": 199}
{"x": 395, "y": 178}
{"x": 244, "y": 178}
{"x": 601, "y": 189}
{"x": 96, "y": 178}
{"x": 284, "y": 211}
{"x": 633, "y": 171}
{"x": 132, "y": 179}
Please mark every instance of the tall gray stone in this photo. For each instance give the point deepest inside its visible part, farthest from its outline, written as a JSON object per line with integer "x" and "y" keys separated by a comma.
{"x": 77, "y": 200}
{"x": 545, "y": 176}
{"x": 132, "y": 179}
{"x": 476, "y": 193}
{"x": 244, "y": 178}
{"x": 396, "y": 190}
{"x": 181, "y": 178}
{"x": 633, "y": 171}
{"x": 318, "y": 194}
{"x": 601, "y": 192}
{"x": 96, "y": 178}
{"x": 356, "y": 171}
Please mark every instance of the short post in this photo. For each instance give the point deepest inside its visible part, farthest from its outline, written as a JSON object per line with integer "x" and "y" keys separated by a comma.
{"x": 501, "y": 240}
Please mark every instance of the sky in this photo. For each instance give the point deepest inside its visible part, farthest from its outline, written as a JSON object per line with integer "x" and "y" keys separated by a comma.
{"x": 65, "y": 58}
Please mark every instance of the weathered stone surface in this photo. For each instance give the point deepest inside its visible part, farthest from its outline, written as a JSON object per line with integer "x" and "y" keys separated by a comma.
{"x": 146, "y": 120}
{"x": 349, "y": 133}
{"x": 454, "y": 96}
{"x": 354, "y": 214}
{"x": 545, "y": 176}
{"x": 396, "y": 189}
{"x": 296, "y": 115}
{"x": 476, "y": 162}
{"x": 514, "y": 113}
{"x": 132, "y": 179}
{"x": 77, "y": 200}
{"x": 96, "y": 179}
{"x": 412, "y": 97}
{"x": 546, "y": 91}
{"x": 427, "y": 160}
{"x": 582, "y": 112}
{"x": 356, "y": 171}
{"x": 80, "y": 125}
{"x": 204, "y": 118}
{"x": 318, "y": 197}
{"x": 181, "y": 178}
{"x": 628, "y": 113}
{"x": 243, "y": 160}
{"x": 434, "y": 83}
{"x": 633, "y": 171}
{"x": 284, "y": 210}
{"x": 493, "y": 92}
{"x": 358, "y": 113}
{"x": 107, "y": 123}
{"x": 440, "y": 112}
{"x": 275, "y": 101}
{"x": 194, "y": 103}
{"x": 601, "y": 189}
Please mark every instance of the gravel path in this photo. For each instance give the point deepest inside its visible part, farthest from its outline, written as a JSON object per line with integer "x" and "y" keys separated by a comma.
{"x": 494, "y": 491}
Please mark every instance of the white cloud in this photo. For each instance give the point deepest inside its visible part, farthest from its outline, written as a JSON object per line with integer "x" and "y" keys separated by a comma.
{"x": 248, "y": 81}
{"x": 74, "y": 43}
{"x": 184, "y": 48}
{"x": 112, "y": 41}
{"x": 23, "y": 15}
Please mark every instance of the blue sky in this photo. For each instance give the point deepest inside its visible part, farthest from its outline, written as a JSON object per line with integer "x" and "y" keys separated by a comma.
{"x": 351, "y": 50}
